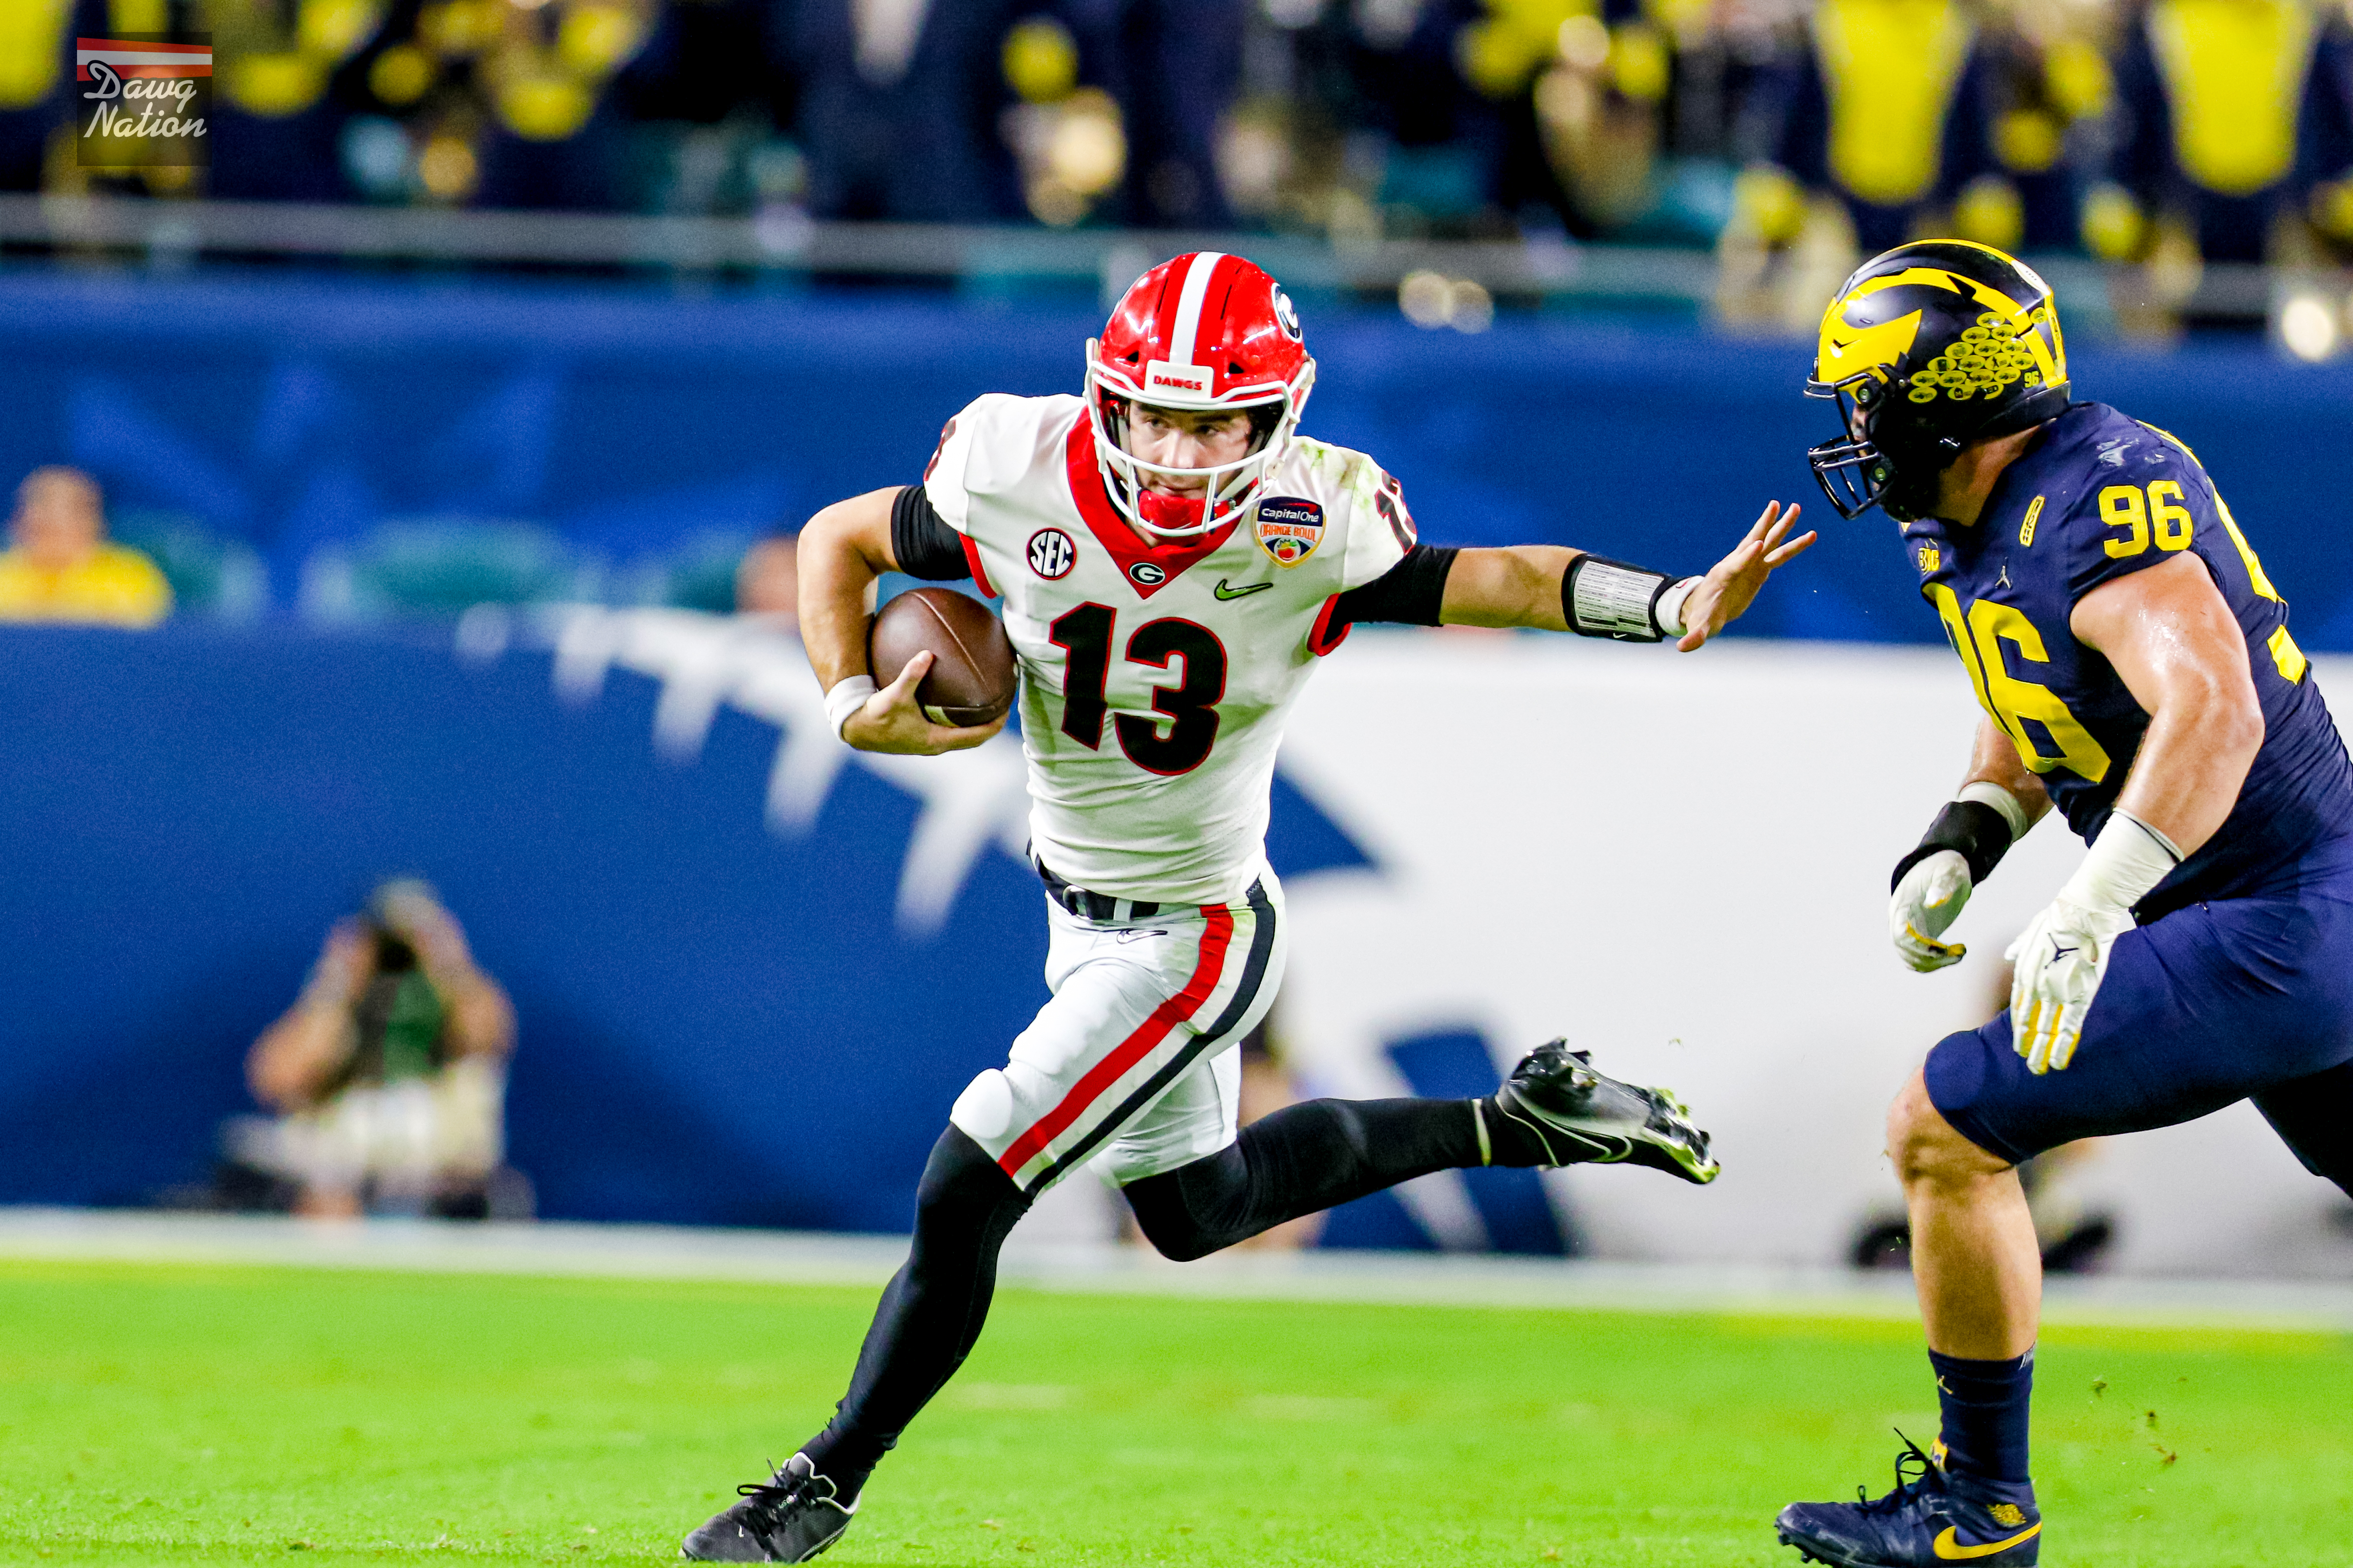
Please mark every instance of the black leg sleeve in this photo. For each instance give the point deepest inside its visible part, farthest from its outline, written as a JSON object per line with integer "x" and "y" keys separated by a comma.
{"x": 1300, "y": 1160}
{"x": 931, "y": 1314}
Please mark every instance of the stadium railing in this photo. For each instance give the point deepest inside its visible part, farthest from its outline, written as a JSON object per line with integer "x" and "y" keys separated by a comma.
{"x": 788, "y": 242}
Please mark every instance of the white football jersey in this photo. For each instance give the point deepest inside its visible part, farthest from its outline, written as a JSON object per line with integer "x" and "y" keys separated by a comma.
{"x": 1156, "y": 679}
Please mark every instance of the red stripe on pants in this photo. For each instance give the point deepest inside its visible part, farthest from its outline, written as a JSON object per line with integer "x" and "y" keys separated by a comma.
{"x": 1216, "y": 936}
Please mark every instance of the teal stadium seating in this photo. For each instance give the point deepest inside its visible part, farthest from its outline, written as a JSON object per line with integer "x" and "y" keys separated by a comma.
{"x": 443, "y": 566}
{"x": 221, "y": 579}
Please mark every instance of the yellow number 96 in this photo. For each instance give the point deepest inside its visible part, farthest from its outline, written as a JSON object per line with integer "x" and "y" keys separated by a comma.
{"x": 2173, "y": 520}
{"x": 2121, "y": 507}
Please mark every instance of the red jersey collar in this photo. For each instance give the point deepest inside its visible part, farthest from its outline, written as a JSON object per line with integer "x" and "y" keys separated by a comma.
{"x": 1111, "y": 532}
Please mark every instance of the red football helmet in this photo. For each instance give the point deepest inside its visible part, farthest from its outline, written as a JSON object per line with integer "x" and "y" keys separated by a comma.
{"x": 1204, "y": 332}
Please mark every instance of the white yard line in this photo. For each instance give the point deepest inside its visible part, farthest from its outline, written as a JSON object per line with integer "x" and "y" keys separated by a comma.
{"x": 655, "y": 1252}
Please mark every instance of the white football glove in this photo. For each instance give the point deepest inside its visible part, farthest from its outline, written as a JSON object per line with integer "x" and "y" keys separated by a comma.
{"x": 1926, "y": 902}
{"x": 2063, "y": 954}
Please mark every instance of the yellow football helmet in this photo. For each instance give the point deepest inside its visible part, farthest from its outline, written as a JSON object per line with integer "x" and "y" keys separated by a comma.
{"x": 1926, "y": 350}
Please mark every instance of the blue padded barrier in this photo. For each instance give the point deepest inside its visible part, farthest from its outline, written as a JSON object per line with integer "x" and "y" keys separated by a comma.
{"x": 295, "y": 410}
{"x": 721, "y": 1023}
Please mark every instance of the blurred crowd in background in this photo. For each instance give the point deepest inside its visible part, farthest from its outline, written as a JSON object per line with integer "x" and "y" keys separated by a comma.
{"x": 64, "y": 564}
{"x": 2125, "y": 129}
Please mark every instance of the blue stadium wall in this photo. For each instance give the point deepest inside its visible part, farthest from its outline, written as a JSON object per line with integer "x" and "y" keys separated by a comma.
{"x": 722, "y": 1024}
{"x": 293, "y": 411}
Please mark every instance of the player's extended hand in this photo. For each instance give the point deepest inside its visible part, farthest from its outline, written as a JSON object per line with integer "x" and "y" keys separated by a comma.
{"x": 892, "y": 721}
{"x": 1725, "y": 592}
{"x": 1929, "y": 900}
{"x": 2061, "y": 958}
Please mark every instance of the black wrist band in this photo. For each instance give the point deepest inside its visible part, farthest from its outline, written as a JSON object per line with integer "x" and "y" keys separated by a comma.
{"x": 1605, "y": 598}
{"x": 1977, "y": 831}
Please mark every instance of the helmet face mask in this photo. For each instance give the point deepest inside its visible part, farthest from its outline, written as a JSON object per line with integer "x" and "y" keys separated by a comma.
{"x": 1926, "y": 350}
{"x": 1856, "y": 474}
{"x": 1204, "y": 334}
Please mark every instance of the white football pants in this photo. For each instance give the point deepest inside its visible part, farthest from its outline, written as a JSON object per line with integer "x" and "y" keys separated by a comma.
{"x": 1132, "y": 1062}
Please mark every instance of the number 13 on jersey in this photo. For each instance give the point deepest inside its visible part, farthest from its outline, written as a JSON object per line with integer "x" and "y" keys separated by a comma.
{"x": 1086, "y": 634}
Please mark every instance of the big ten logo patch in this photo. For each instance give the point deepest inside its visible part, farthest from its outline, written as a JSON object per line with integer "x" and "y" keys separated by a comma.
{"x": 1289, "y": 528}
{"x": 1052, "y": 553}
{"x": 1931, "y": 557}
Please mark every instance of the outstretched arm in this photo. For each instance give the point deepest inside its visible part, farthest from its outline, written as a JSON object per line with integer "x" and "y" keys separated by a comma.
{"x": 843, "y": 551}
{"x": 1521, "y": 585}
{"x": 1518, "y": 586}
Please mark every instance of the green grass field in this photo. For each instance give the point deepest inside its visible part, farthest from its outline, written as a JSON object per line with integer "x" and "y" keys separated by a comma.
{"x": 176, "y": 1415}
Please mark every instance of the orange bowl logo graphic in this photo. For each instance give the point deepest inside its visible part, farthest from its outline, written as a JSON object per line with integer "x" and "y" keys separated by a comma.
{"x": 1289, "y": 529}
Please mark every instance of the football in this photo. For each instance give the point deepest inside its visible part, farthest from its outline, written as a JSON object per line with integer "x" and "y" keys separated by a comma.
{"x": 972, "y": 673}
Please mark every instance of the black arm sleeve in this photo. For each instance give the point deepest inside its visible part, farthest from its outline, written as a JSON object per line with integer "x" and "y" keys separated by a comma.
{"x": 1409, "y": 594}
{"x": 924, "y": 546}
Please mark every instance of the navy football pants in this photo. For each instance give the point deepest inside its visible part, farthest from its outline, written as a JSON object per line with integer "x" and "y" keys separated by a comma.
{"x": 2213, "y": 1004}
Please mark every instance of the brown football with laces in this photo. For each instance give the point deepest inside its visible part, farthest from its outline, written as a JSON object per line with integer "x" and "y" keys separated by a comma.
{"x": 972, "y": 674}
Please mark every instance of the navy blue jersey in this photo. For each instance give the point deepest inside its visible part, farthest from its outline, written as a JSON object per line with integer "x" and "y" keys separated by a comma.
{"x": 2097, "y": 497}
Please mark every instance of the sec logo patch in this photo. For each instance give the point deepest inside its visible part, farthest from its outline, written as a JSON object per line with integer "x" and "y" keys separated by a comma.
{"x": 1052, "y": 553}
{"x": 1147, "y": 574}
{"x": 1289, "y": 528}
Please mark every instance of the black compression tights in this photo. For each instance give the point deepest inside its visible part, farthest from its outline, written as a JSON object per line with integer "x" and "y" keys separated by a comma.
{"x": 1300, "y": 1161}
{"x": 1297, "y": 1161}
{"x": 931, "y": 1312}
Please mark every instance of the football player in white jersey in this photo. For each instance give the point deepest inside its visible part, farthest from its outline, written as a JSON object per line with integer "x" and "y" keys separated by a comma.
{"x": 1174, "y": 560}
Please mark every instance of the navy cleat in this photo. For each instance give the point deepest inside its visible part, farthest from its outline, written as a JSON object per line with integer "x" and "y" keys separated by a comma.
{"x": 789, "y": 1517}
{"x": 1933, "y": 1517}
{"x": 1580, "y": 1116}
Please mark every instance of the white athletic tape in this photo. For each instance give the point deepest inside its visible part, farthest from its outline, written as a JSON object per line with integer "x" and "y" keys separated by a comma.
{"x": 846, "y": 698}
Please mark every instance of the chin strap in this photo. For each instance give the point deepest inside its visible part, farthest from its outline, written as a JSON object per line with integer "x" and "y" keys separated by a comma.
{"x": 1173, "y": 513}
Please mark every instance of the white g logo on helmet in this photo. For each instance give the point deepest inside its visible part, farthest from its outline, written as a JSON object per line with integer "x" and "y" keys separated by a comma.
{"x": 1286, "y": 316}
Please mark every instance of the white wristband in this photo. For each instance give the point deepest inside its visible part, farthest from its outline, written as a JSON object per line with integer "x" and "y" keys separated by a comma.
{"x": 1985, "y": 791}
{"x": 2127, "y": 860}
{"x": 1669, "y": 611}
{"x": 847, "y": 697}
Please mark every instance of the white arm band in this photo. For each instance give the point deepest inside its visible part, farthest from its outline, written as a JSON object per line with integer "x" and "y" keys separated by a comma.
{"x": 847, "y": 697}
{"x": 1987, "y": 793}
{"x": 1669, "y": 611}
{"x": 2127, "y": 860}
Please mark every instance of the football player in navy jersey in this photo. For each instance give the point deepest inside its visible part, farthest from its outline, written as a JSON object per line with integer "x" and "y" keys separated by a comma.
{"x": 2137, "y": 671}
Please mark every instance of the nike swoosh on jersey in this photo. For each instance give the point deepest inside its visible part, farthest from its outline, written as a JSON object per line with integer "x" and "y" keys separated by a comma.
{"x": 1224, "y": 591}
{"x": 1949, "y": 1547}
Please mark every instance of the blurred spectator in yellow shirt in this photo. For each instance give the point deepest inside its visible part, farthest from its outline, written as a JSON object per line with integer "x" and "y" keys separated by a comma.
{"x": 59, "y": 567}
{"x": 2237, "y": 130}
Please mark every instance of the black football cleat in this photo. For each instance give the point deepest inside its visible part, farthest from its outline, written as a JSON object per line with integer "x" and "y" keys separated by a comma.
{"x": 1581, "y": 1117}
{"x": 1933, "y": 1517}
{"x": 789, "y": 1517}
